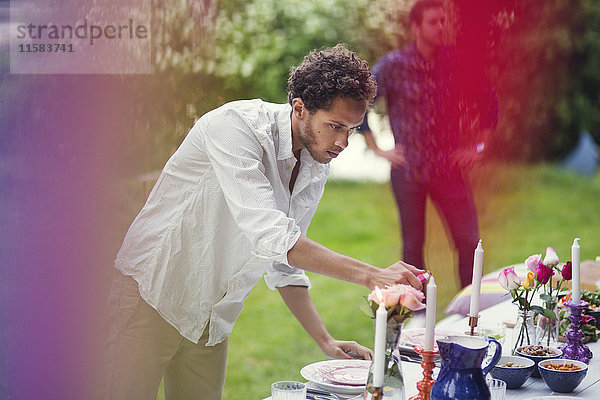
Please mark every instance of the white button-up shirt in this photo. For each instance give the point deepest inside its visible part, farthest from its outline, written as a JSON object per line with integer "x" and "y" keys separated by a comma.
{"x": 221, "y": 215}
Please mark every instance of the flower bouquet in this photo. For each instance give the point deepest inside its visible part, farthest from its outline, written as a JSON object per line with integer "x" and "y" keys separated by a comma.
{"x": 539, "y": 277}
{"x": 547, "y": 315}
{"x": 522, "y": 293}
{"x": 401, "y": 301}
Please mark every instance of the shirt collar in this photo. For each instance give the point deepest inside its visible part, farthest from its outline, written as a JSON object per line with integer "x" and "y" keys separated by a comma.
{"x": 284, "y": 150}
{"x": 284, "y": 128}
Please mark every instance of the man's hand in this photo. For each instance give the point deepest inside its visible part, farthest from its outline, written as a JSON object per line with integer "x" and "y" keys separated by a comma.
{"x": 343, "y": 349}
{"x": 399, "y": 272}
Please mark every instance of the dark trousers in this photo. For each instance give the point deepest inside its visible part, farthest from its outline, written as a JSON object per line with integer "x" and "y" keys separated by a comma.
{"x": 453, "y": 199}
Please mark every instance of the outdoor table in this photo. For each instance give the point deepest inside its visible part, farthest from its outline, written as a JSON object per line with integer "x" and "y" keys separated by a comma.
{"x": 589, "y": 388}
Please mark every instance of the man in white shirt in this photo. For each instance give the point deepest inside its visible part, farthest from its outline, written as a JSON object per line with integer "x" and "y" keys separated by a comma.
{"x": 234, "y": 202}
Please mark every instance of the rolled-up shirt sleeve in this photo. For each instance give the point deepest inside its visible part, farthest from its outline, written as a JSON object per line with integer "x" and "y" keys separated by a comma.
{"x": 236, "y": 155}
{"x": 279, "y": 275}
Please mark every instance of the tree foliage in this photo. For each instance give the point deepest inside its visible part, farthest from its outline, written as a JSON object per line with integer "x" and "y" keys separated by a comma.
{"x": 208, "y": 52}
{"x": 579, "y": 108}
{"x": 541, "y": 56}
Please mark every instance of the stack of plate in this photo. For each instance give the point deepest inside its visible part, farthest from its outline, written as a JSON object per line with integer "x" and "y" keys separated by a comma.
{"x": 347, "y": 377}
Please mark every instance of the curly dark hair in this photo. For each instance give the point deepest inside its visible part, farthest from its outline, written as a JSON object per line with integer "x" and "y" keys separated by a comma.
{"x": 329, "y": 73}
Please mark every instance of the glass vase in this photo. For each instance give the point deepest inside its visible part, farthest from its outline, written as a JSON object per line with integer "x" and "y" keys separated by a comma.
{"x": 524, "y": 333}
{"x": 547, "y": 328}
{"x": 393, "y": 379}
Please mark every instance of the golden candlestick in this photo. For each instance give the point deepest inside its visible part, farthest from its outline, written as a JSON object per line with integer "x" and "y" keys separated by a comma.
{"x": 473, "y": 324}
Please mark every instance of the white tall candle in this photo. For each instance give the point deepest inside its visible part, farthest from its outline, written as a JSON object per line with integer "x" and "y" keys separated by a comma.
{"x": 430, "y": 314}
{"x": 576, "y": 283}
{"x": 379, "y": 347}
{"x": 476, "y": 282}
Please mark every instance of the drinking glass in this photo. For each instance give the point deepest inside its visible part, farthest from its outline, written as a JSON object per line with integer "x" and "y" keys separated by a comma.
{"x": 288, "y": 390}
{"x": 497, "y": 330}
{"x": 497, "y": 389}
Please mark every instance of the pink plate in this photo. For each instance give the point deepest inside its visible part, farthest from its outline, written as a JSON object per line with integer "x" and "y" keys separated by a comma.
{"x": 346, "y": 374}
{"x": 322, "y": 372}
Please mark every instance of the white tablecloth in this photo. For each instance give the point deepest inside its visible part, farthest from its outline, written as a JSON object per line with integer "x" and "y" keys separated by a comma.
{"x": 588, "y": 389}
{"x": 534, "y": 387}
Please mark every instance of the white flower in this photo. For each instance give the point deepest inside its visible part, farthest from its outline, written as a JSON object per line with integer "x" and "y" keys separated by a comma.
{"x": 551, "y": 257}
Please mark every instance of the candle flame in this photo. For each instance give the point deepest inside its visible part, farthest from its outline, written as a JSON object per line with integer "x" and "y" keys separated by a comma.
{"x": 378, "y": 294}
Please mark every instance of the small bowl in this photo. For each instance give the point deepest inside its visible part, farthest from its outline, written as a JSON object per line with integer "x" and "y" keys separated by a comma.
{"x": 537, "y": 359}
{"x": 562, "y": 381}
{"x": 514, "y": 377}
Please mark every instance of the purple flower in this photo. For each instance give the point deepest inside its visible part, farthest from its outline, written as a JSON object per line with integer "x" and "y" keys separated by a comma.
{"x": 543, "y": 273}
{"x": 567, "y": 271}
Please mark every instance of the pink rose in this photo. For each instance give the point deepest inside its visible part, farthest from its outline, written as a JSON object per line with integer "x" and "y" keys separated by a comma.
{"x": 411, "y": 298}
{"x": 551, "y": 257}
{"x": 567, "y": 271}
{"x": 405, "y": 295}
{"x": 543, "y": 273}
{"x": 508, "y": 279}
{"x": 390, "y": 297}
{"x": 533, "y": 261}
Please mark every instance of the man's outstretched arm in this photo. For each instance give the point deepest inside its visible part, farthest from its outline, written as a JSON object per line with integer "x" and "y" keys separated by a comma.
{"x": 309, "y": 255}
{"x": 301, "y": 305}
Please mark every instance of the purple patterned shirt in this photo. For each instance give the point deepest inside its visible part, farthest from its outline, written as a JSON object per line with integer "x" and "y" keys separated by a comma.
{"x": 434, "y": 109}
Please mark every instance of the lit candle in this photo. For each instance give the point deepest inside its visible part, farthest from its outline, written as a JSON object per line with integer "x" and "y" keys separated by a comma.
{"x": 476, "y": 282}
{"x": 576, "y": 284}
{"x": 380, "y": 338}
{"x": 430, "y": 314}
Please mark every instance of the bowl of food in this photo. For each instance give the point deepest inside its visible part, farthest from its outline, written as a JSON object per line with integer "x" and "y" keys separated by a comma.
{"x": 562, "y": 375}
{"x": 514, "y": 370}
{"x": 537, "y": 354}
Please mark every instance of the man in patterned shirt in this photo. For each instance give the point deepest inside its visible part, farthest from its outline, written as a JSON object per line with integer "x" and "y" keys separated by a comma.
{"x": 440, "y": 115}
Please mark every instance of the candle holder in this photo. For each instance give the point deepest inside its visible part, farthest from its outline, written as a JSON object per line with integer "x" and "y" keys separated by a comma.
{"x": 377, "y": 393}
{"x": 428, "y": 363}
{"x": 574, "y": 349}
{"x": 473, "y": 320}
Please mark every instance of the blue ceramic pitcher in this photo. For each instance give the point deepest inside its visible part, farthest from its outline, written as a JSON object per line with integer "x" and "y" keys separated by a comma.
{"x": 461, "y": 375}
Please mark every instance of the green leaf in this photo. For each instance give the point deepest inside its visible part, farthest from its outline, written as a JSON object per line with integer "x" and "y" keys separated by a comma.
{"x": 545, "y": 297}
{"x": 545, "y": 312}
{"x": 537, "y": 309}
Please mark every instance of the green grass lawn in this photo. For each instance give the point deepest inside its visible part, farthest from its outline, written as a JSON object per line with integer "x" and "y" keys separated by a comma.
{"x": 521, "y": 211}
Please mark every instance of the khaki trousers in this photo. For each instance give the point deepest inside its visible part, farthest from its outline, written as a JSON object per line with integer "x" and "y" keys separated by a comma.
{"x": 142, "y": 348}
